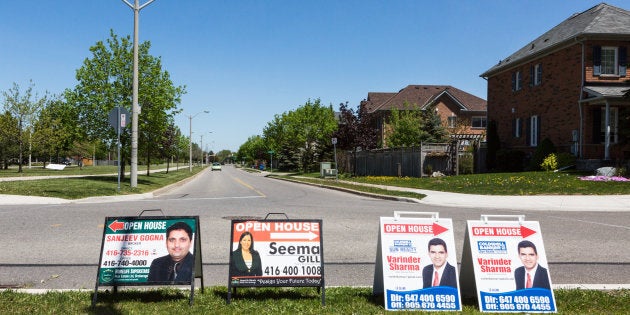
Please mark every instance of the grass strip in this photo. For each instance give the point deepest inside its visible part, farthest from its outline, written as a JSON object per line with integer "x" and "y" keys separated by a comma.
{"x": 83, "y": 187}
{"x": 339, "y": 300}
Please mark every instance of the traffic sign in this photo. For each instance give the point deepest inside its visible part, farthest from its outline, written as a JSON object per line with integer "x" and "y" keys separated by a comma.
{"x": 121, "y": 121}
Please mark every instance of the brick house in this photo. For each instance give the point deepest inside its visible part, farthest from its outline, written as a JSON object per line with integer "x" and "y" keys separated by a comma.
{"x": 461, "y": 113}
{"x": 567, "y": 85}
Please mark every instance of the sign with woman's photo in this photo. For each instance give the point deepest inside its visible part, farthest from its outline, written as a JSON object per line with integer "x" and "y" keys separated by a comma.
{"x": 509, "y": 264}
{"x": 281, "y": 253}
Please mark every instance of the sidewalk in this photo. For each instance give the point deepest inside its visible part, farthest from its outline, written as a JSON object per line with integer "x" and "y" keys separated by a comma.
{"x": 436, "y": 198}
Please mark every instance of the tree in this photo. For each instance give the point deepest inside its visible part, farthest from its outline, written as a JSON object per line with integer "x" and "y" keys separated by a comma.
{"x": 367, "y": 132}
{"x": 168, "y": 145}
{"x": 347, "y": 132}
{"x": 405, "y": 127}
{"x": 223, "y": 155}
{"x": 357, "y": 129}
{"x": 252, "y": 150}
{"x": 432, "y": 125}
{"x": 24, "y": 107}
{"x": 411, "y": 126}
{"x": 8, "y": 142}
{"x": 305, "y": 133}
{"x": 105, "y": 81}
{"x": 55, "y": 130}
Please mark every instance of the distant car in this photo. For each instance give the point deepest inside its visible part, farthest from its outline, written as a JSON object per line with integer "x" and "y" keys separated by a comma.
{"x": 216, "y": 166}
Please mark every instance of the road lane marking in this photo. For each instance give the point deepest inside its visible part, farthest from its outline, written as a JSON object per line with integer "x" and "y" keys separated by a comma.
{"x": 248, "y": 186}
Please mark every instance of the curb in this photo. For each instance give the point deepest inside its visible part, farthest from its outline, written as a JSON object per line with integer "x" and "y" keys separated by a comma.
{"x": 348, "y": 190}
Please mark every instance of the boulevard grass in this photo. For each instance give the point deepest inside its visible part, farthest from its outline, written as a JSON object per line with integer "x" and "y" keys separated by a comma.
{"x": 525, "y": 183}
{"x": 93, "y": 184}
{"x": 339, "y": 300}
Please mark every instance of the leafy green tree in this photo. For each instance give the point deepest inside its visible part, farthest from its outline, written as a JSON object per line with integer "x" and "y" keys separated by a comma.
{"x": 406, "y": 127}
{"x": 25, "y": 107}
{"x": 223, "y": 155}
{"x": 8, "y": 141}
{"x": 55, "y": 130}
{"x": 305, "y": 133}
{"x": 252, "y": 150}
{"x": 105, "y": 81}
{"x": 412, "y": 125}
{"x": 168, "y": 145}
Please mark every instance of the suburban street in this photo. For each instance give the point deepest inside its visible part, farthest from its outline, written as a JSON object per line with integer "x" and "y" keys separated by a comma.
{"x": 58, "y": 246}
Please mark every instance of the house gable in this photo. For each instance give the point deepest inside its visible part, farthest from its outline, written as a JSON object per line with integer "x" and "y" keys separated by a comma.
{"x": 551, "y": 88}
{"x": 602, "y": 21}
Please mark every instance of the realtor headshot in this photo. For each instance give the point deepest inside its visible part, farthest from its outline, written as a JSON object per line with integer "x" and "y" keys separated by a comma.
{"x": 531, "y": 274}
{"x": 178, "y": 265}
{"x": 245, "y": 261}
{"x": 439, "y": 272}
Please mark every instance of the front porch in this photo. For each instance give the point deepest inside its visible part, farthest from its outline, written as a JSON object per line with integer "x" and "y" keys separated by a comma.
{"x": 604, "y": 136}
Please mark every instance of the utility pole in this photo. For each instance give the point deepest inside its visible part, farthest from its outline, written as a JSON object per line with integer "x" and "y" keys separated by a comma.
{"x": 190, "y": 118}
{"x": 135, "y": 109}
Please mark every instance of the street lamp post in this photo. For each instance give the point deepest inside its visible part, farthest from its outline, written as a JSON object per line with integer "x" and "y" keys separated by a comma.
{"x": 209, "y": 132}
{"x": 136, "y": 7}
{"x": 190, "y": 117}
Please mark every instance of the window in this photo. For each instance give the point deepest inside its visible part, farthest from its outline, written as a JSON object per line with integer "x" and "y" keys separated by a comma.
{"x": 452, "y": 121}
{"x": 534, "y": 125}
{"x": 609, "y": 60}
{"x": 536, "y": 75}
{"x": 479, "y": 122}
{"x": 614, "y": 116}
{"x": 516, "y": 128}
{"x": 516, "y": 81}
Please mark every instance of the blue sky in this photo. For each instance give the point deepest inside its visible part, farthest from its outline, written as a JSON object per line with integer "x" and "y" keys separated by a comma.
{"x": 246, "y": 61}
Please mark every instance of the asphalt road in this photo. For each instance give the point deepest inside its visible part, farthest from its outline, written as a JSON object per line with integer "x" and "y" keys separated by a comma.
{"x": 58, "y": 246}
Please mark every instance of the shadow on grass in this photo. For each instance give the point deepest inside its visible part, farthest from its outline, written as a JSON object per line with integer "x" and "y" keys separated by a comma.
{"x": 107, "y": 300}
{"x": 260, "y": 294}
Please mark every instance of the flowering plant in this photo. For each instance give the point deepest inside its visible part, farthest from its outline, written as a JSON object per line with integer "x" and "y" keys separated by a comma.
{"x": 602, "y": 178}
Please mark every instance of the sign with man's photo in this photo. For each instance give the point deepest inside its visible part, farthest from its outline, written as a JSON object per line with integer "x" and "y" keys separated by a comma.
{"x": 416, "y": 263}
{"x": 509, "y": 264}
{"x": 148, "y": 250}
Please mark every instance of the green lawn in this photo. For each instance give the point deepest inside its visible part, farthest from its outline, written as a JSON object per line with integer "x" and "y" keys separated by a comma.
{"x": 104, "y": 183}
{"x": 525, "y": 183}
{"x": 339, "y": 300}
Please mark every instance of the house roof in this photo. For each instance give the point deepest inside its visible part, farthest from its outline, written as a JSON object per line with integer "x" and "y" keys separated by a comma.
{"x": 424, "y": 95}
{"x": 602, "y": 20}
{"x": 374, "y": 99}
{"x": 606, "y": 91}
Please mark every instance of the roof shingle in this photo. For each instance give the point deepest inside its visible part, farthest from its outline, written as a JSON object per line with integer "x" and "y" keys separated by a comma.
{"x": 602, "y": 20}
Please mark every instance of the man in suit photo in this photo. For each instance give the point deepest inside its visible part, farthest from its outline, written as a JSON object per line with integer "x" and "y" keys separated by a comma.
{"x": 531, "y": 274}
{"x": 178, "y": 265}
{"x": 439, "y": 272}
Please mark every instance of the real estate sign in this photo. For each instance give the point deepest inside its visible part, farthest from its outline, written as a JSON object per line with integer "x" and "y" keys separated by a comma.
{"x": 416, "y": 264}
{"x": 509, "y": 264}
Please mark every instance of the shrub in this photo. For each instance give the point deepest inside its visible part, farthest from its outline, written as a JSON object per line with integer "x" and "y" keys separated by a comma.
{"x": 550, "y": 163}
{"x": 466, "y": 164}
{"x": 543, "y": 150}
